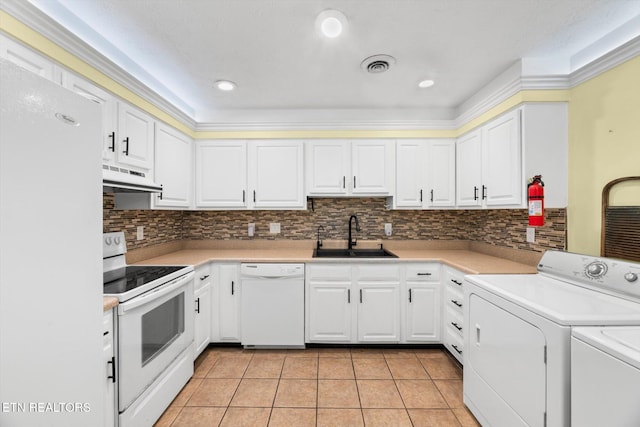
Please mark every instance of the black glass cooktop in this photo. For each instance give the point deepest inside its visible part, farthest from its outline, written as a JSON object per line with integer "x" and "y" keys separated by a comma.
{"x": 128, "y": 278}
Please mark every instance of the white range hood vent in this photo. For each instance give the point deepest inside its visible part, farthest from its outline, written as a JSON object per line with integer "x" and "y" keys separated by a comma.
{"x": 121, "y": 180}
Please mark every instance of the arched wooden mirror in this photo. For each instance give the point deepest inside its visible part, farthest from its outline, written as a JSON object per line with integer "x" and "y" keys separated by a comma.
{"x": 621, "y": 219}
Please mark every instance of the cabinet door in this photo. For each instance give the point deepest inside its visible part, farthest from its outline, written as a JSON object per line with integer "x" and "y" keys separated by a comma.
{"x": 327, "y": 167}
{"x": 172, "y": 167}
{"x": 441, "y": 171}
{"x": 372, "y": 166}
{"x": 221, "y": 174}
{"x": 330, "y": 311}
{"x": 28, "y": 59}
{"x": 468, "y": 169}
{"x": 411, "y": 173}
{"x": 502, "y": 182}
{"x": 135, "y": 133}
{"x": 423, "y": 312}
{"x": 202, "y": 324}
{"x": 108, "y": 107}
{"x": 226, "y": 303}
{"x": 109, "y": 353}
{"x": 378, "y": 312}
{"x": 276, "y": 174}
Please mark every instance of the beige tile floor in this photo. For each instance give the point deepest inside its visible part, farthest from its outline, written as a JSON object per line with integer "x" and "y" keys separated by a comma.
{"x": 321, "y": 387}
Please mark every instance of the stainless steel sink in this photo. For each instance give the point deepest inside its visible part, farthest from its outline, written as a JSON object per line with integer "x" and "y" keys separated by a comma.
{"x": 353, "y": 253}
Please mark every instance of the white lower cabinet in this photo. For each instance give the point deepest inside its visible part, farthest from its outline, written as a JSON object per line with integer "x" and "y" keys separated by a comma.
{"x": 453, "y": 334}
{"x": 202, "y": 296}
{"x": 225, "y": 303}
{"x": 422, "y": 303}
{"x": 109, "y": 358}
{"x": 351, "y": 303}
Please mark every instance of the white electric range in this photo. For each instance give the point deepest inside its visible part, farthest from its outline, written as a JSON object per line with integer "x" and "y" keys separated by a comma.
{"x": 517, "y": 363}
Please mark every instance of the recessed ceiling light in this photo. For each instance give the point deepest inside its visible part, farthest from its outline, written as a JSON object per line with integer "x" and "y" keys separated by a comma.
{"x": 426, "y": 83}
{"x": 225, "y": 85}
{"x": 331, "y": 23}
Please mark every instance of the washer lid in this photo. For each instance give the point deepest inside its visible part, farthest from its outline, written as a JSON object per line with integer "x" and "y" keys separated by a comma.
{"x": 622, "y": 342}
{"x": 558, "y": 301}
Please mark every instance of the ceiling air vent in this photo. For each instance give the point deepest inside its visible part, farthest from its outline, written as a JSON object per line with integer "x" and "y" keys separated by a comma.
{"x": 377, "y": 63}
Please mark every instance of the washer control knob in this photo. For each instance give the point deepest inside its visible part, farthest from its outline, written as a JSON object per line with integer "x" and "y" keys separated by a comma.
{"x": 631, "y": 277}
{"x": 596, "y": 269}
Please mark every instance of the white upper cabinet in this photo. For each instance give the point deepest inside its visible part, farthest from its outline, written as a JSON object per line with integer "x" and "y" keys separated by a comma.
{"x": 108, "y": 107}
{"x": 372, "y": 163}
{"x": 29, "y": 59}
{"x": 495, "y": 161}
{"x": 441, "y": 173}
{"x": 135, "y": 135}
{"x": 173, "y": 166}
{"x": 350, "y": 168}
{"x": 221, "y": 174}
{"x": 411, "y": 173}
{"x": 276, "y": 174}
{"x": 489, "y": 164}
{"x": 468, "y": 169}
{"x": 328, "y": 167}
{"x": 501, "y": 161}
{"x": 425, "y": 173}
{"x": 253, "y": 175}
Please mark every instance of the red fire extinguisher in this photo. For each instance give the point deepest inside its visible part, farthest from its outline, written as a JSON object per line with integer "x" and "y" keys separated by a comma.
{"x": 535, "y": 196}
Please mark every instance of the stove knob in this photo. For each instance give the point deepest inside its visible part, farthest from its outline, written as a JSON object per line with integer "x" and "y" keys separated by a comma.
{"x": 107, "y": 240}
{"x": 631, "y": 277}
{"x": 116, "y": 240}
{"x": 596, "y": 269}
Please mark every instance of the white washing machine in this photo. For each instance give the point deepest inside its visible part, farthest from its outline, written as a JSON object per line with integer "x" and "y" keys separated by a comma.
{"x": 605, "y": 376}
{"x": 517, "y": 360}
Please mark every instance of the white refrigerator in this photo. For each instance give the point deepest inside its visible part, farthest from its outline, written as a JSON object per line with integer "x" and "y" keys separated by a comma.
{"x": 51, "y": 369}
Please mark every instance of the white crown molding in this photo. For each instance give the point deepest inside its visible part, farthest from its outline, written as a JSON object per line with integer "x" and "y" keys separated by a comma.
{"x": 553, "y": 82}
{"x": 606, "y": 62}
{"x": 43, "y": 24}
{"x": 374, "y": 125}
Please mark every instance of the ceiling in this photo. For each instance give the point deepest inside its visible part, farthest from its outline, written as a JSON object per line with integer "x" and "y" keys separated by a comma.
{"x": 272, "y": 51}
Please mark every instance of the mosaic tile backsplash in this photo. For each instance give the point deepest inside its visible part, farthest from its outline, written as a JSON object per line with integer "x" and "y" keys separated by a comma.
{"x": 499, "y": 227}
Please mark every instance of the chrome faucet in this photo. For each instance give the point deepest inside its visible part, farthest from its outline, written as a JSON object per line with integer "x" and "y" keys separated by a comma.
{"x": 353, "y": 242}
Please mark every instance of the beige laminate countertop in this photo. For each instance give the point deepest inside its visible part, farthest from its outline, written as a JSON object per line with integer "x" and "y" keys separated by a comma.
{"x": 468, "y": 261}
{"x": 108, "y": 303}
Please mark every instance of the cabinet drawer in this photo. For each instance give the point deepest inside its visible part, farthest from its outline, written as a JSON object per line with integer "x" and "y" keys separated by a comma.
{"x": 453, "y": 298}
{"x": 107, "y": 328}
{"x": 453, "y": 320}
{"x": 333, "y": 272}
{"x": 202, "y": 276}
{"x": 454, "y": 281}
{"x": 454, "y": 344}
{"x": 423, "y": 272}
{"x": 378, "y": 273}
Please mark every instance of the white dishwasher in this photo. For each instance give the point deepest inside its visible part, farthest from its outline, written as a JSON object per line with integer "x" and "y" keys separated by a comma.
{"x": 272, "y": 305}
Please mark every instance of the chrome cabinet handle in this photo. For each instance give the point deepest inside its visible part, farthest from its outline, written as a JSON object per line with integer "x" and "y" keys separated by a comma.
{"x": 126, "y": 142}
{"x": 113, "y": 369}
{"x": 198, "y": 305}
{"x": 112, "y": 135}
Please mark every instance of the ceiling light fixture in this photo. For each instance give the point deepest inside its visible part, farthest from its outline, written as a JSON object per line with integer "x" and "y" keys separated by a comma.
{"x": 426, "y": 83}
{"x": 331, "y": 23}
{"x": 225, "y": 85}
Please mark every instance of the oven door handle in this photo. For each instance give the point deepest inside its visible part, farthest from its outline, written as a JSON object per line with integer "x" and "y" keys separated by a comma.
{"x": 156, "y": 293}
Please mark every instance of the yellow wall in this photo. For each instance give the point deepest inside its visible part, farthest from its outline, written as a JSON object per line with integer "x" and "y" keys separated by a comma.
{"x": 604, "y": 144}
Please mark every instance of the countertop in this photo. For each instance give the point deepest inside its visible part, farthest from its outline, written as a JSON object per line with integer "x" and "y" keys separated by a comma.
{"x": 108, "y": 303}
{"x": 467, "y": 260}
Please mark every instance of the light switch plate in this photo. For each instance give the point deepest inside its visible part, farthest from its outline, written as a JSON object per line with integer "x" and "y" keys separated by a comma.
{"x": 274, "y": 228}
{"x": 251, "y": 230}
{"x": 531, "y": 235}
{"x": 140, "y": 232}
{"x": 388, "y": 229}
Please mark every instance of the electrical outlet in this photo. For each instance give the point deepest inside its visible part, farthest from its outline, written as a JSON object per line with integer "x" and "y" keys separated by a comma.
{"x": 251, "y": 230}
{"x": 140, "y": 232}
{"x": 388, "y": 229}
{"x": 274, "y": 228}
{"x": 531, "y": 235}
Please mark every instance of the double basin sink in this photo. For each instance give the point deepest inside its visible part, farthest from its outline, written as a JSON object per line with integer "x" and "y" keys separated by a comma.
{"x": 353, "y": 253}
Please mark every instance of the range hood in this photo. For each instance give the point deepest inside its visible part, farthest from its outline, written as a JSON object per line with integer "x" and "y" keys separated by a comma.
{"x": 121, "y": 180}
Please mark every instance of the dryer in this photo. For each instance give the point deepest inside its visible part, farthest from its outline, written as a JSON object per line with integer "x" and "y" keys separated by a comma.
{"x": 605, "y": 376}
{"x": 518, "y": 342}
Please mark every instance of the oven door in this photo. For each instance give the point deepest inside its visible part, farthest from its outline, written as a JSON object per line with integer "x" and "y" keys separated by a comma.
{"x": 154, "y": 328}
